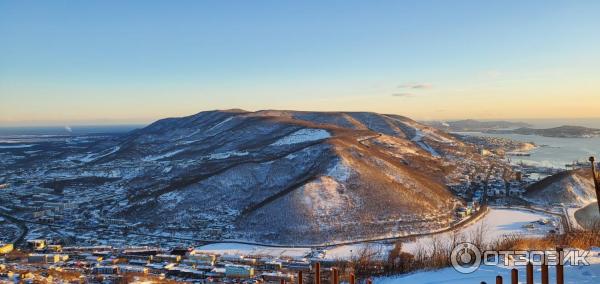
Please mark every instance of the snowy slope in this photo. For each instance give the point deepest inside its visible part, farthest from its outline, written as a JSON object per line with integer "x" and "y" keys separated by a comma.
{"x": 286, "y": 177}
{"x": 570, "y": 187}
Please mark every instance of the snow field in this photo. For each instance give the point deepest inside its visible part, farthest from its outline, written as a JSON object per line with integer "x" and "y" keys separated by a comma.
{"x": 303, "y": 135}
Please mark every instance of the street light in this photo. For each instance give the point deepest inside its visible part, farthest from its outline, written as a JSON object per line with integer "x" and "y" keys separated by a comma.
{"x": 596, "y": 181}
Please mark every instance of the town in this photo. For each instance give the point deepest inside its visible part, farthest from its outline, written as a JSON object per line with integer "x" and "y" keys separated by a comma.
{"x": 61, "y": 228}
{"x": 43, "y": 261}
{"x": 98, "y": 250}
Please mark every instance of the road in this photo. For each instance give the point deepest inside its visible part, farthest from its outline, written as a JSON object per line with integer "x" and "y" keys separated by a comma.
{"x": 361, "y": 141}
{"x": 22, "y": 227}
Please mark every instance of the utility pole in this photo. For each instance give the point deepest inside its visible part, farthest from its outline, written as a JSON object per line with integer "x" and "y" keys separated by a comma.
{"x": 596, "y": 181}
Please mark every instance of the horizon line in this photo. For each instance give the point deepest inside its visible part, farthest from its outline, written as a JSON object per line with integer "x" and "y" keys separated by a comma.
{"x": 147, "y": 121}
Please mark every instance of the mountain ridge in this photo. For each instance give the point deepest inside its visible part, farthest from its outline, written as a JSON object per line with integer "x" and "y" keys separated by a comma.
{"x": 286, "y": 177}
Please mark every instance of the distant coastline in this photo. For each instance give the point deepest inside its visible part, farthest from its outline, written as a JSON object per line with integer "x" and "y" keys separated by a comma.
{"x": 565, "y": 131}
{"x": 568, "y": 128}
{"x": 66, "y": 130}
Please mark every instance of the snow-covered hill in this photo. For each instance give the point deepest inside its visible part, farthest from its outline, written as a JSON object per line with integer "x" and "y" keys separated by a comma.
{"x": 574, "y": 188}
{"x": 286, "y": 177}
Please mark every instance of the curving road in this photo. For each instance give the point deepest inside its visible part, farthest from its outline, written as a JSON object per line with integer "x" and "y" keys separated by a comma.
{"x": 23, "y": 228}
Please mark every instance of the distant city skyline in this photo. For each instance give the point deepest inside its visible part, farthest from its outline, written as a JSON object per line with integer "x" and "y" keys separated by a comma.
{"x": 114, "y": 62}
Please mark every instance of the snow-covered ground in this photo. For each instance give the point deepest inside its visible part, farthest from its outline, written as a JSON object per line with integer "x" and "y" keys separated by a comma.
{"x": 162, "y": 156}
{"x": 573, "y": 274}
{"x": 422, "y": 132}
{"x": 242, "y": 249}
{"x": 221, "y": 123}
{"x": 225, "y": 155}
{"x": 303, "y": 135}
{"x": 16, "y": 146}
{"x": 95, "y": 156}
{"x": 498, "y": 222}
{"x": 419, "y": 140}
{"x": 350, "y": 251}
{"x": 337, "y": 252}
{"x": 570, "y": 213}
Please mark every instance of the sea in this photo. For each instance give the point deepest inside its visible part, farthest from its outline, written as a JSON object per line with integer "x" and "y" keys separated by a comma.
{"x": 555, "y": 152}
{"x": 22, "y": 137}
{"x": 67, "y": 130}
{"x": 552, "y": 152}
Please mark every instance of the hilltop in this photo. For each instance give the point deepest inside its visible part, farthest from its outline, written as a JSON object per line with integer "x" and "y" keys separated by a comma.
{"x": 286, "y": 177}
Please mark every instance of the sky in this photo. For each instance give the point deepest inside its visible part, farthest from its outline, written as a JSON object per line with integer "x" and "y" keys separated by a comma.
{"x": 108, "y": 62}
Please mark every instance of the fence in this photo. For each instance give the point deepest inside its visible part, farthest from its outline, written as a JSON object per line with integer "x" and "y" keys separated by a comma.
{"x": 514, "y": 275}
{"x": 334, "y": 277}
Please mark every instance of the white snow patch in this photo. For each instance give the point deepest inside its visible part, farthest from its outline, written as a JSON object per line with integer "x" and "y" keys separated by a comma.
{"x": 114, "y": 150}
{"x": 171, "y": 199}
{"x": 322, "y": 196}
{"x": 421, "y": 132}
{"x": 16, "y": 146}
{"x": 187, "y": 142}
{"x": 425, "y": 131}
{"x": 250, "y": 250}
{"x": 221, "y": 123}
{"x": 225, "y": 155}
{"x": 303, "y": 135}
{"x": 397, "y": 147}
{"x": 577, "y": 187}
{"x": 348, "y": 252}
{"x": 291, "y": 156}
{"x": 165, "y": 155}
{"x": 428, "y": 148}
{"x": 570, "y": 214}
{"x": 431, "y": 134}
{"x": 193, "y": 133}
{"x": 95, "y": 156}
{"x": 419, "y": 140}
{"x": 340, "y": 171}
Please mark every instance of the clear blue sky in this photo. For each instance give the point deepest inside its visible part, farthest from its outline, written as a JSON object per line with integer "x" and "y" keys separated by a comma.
{"x": 73, "y": 62}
